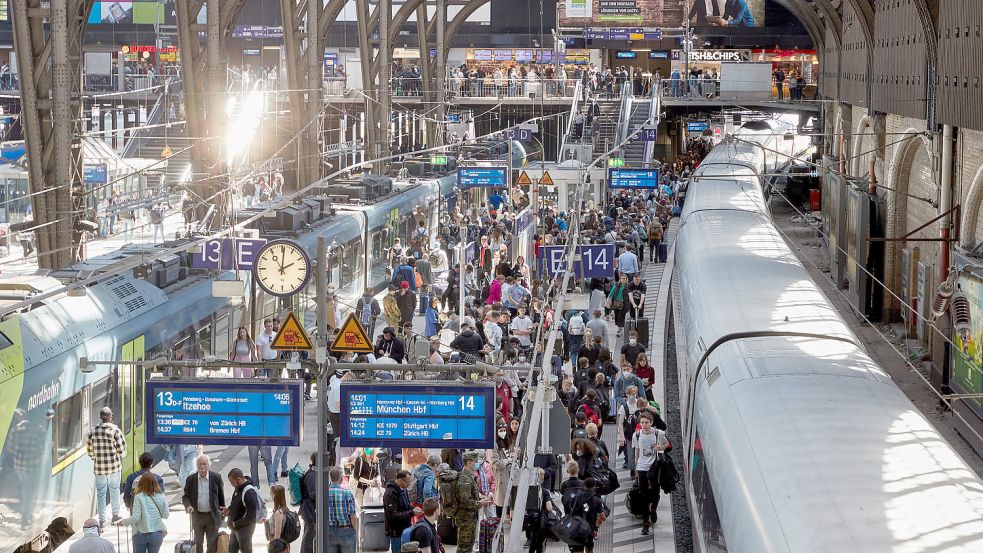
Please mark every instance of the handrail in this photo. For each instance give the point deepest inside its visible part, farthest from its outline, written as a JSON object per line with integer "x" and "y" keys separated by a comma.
{"x": 141, "y": 135}
{"x": 655, "y": 112}
{"x": 574, "y": 108}
{"x": 624, "y": 113}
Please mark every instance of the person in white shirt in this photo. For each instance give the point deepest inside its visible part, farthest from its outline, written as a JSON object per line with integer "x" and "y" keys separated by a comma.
{"x": 522, "y": 328}
{"x": 264, "y": 351}
{"x": 648, "y": 443}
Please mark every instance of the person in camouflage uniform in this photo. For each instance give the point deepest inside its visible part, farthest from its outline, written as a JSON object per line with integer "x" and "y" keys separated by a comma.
{"x": 466, "y": 517}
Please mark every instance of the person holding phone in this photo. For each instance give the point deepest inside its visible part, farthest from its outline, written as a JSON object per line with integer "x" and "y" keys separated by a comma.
{"x": 648, "y": 443}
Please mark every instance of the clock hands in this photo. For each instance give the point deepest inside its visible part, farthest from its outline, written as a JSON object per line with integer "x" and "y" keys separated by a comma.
{"x": 283, "y": 268}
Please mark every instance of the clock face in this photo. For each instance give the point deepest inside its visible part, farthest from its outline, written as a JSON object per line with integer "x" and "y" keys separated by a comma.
{"x": 282, "y": 268}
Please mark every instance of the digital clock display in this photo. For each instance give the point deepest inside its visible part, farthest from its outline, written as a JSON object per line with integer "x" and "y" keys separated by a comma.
{"x": 212, "y": 412}
{"x": 417, "y": 415}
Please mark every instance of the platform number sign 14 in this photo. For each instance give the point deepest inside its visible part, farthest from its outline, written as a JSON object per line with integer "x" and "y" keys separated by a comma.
{"x": 467, "y": 403}
{"x": 594, "y": 261}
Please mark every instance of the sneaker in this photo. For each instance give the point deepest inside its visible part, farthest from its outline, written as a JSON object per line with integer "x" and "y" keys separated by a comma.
{"x": 117, "y": 518}
{"x": 645, "y": 529}
{"x": 283, "y": 474}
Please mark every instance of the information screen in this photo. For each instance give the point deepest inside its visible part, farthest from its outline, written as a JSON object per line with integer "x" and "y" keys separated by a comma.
{"x": 633, "y": 178}
{"x": 418, "y": 415}
{"x": 482, "y": 176}
{"x": 224, "y": 413}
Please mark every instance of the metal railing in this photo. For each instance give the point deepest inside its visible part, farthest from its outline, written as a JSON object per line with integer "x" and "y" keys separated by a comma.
{"x": 578, "y": 94}
{"x": 153, "y": 118}
{"x": 490, "y": 87}
{"x": 709, "y": 89}
{"x": 624, "y": 113}
{"x": 655, "y": 109}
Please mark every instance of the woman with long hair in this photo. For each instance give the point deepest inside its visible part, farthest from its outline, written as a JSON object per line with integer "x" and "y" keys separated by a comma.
{"x": 647, "y": 373}
{"x": 277, "y": 517}
{"x": 148, "y": 514}
{"x": 590, "y": 348}
{"x": 243, "y": 350}
{"x": 502, "y": 458}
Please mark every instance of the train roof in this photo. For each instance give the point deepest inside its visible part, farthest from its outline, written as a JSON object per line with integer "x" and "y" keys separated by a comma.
{"x": 736, "y": 189}
{"x": 738, "y": 276}
{"x": 817, "y": 450}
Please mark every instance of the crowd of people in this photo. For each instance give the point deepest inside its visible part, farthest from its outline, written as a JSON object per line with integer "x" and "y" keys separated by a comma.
{"x": 458, "y": 496}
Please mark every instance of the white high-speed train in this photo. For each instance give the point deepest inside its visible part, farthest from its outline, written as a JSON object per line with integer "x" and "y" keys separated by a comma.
{"x": 795, "y": 440}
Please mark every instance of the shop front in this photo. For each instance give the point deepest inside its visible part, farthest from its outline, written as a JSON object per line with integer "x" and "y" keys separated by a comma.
{"x": 793, "y": 63}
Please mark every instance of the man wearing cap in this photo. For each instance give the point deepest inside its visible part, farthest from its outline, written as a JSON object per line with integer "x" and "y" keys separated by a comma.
{"x": 91, "y": 541}
{"x": 107, "y": 447}
{"x": 468, "y": 342}
{"x": 466, "y": 517}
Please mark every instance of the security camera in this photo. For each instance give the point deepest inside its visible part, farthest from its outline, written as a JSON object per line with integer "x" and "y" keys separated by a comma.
{"x": 85, "y": 366}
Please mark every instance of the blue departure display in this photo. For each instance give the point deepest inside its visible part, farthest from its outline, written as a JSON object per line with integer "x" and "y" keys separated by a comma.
{"x": 224, "y": 413}
{"x": 633, "y": 178}
{"x": 482, "y": 176}
{"x": 417, "y": 415}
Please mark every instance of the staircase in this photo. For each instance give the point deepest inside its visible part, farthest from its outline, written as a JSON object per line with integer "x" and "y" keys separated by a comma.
{"x": 149, "y": 143}
{"x": 608, "y": 125}
{"x": 634, "y": 151}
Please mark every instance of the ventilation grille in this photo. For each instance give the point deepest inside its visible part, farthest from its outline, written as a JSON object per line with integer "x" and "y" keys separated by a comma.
{"x": 124, "y": 290}
{"x": 135, "y": 303}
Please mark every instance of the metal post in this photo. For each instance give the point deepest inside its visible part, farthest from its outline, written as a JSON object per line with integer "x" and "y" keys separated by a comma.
{"x": 320, "y": 355}
{"x": 461, "y": 260}
{"x": 385, "y": 75}
{"x": 441, "y": 73}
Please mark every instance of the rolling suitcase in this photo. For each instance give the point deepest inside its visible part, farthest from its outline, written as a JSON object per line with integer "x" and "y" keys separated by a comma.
{"x": 486, "y": 534}
{"x": 663, "y": 252}
{"x": 372, "y": 530}
{"x": 641, "y": 326}
{"x": 185, "y": 546}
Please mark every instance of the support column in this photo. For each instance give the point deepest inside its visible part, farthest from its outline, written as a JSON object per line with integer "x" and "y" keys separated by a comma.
{"x": 439, "y": 84}
{"x": 385, "y": 65}
{"x": 426, "y": 76}
{"x": 47, "y": 39}
{"x": 371, "y": 131}
{"x": 305, "y": 83}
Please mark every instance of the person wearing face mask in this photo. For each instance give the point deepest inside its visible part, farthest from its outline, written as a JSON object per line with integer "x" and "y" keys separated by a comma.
{"x": 583, "y": 451}
{"x": 631, "y": 350}
{"x": 624, "y": 380}
{"x": 648, "y": 443}
{"x": 364, "y": 470}
{"x": 627, "y": 421}
{"x": 92, "y": 541}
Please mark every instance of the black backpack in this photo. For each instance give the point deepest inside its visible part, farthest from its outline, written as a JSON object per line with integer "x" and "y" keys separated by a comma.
{"x": 291, "y": 526}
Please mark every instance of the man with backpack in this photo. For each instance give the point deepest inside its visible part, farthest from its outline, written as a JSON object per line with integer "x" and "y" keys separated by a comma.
{"x": 424, "y": 532}
{"x": 575, "y": 329}
{"x": 627, "y": 423}
{"x": 308, "y": 506}
{"x": 425, "y": 485}
{"x": 463, "y": 508}
{"x": 157, "y": 221}
{"x": 399, "y": 512}
{"x": 245, "y": 509}
{"x": 655, "y": 235}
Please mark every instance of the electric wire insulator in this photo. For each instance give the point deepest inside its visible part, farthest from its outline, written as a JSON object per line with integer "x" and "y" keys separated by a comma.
{"x": 941, "y": 302}
{"x": 959, "y": 308}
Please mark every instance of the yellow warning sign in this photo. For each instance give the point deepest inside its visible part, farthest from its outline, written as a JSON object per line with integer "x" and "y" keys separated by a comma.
{"x": 546, "y": 179}
{"x": 291, "y": 336}
{"x": 523, "y": 179}
{"x": 352, "y": 337}
{"x": 166, "y": 152}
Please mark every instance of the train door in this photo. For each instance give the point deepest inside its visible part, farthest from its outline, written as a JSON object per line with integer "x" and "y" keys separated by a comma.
{"x": 131, "y": 383}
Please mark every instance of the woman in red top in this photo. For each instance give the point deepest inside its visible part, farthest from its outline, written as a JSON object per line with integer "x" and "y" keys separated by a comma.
{"x": 644, "y": 371}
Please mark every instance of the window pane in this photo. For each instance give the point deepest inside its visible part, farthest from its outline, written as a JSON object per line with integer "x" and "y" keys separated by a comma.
{"x": 68, "y": 426}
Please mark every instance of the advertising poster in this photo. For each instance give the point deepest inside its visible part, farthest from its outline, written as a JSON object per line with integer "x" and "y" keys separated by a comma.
{"x": 662, "y": 13}
{"x": 134, "y": 12}
{"x": 966, "y": 376}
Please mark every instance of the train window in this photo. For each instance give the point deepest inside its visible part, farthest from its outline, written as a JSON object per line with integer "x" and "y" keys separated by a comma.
{"x": 378, "y": 248}
{"x": 105, "y": 393}
{"x": 138, "y": 375}
{"x": 205, "y": 339}
{"x": 710, "y": 528}
{"x": 221, "y": 348}
{"x": 4, "y": 341}
{"x": 67, "y": 432}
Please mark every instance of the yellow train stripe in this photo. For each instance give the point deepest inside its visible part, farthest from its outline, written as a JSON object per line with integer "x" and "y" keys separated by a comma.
{"x": 64, "y": 463}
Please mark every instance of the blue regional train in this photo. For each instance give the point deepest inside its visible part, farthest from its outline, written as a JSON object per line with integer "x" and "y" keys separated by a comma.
{"x": 163, "y": 308}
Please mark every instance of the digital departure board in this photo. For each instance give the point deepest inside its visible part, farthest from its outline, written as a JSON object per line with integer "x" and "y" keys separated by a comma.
{"x": 482, "y": 176}
{"x": 409, "y": 414}
{"x": 633, "y": 178}
{"x": 224, "y": 413}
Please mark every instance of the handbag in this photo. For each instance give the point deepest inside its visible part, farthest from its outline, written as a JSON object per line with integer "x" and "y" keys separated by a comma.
{"x": 572, "y": 530}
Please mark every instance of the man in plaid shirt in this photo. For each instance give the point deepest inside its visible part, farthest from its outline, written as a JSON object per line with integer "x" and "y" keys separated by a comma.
{"x": 342, "y": 520}
{"x": 107, "y": 447}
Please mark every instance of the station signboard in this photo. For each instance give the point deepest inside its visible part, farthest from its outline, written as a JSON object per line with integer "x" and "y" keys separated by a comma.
{"x": 633, "y": 178}
{"x": 697, "y": 126}
{"x": 409, "y": 414}
{"x": 216, "y": 412}
{"x": 648, "y": 134}
{"x": 468, "y": 177}
{"x": 228, "y": 254}
{"x": 95, "y": 173}
{"x": 590, "y": 261}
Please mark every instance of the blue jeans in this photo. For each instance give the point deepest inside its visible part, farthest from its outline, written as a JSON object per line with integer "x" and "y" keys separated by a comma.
{"x": 254, "y": 452}
{"x": 342, "y": 540}
{"x": 280, "y": 459}
{"x": 147, "y": 543}
{"x": 394, "y": 545}
{"x": 189, "y": 454}
{"x": 576, "y": 340}
{"x": 107, "y": 483}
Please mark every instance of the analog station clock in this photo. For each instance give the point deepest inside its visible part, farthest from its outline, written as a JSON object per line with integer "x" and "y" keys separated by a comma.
{"x": 282, "y": 268}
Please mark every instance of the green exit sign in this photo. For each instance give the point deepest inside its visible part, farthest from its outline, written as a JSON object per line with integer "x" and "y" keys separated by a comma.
{"x": 616, "y": 162}
{"x": 438, "y": 160}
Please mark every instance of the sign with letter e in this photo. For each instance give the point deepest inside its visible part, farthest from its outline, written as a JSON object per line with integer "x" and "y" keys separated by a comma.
{"x": 593, "y": 261}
